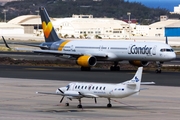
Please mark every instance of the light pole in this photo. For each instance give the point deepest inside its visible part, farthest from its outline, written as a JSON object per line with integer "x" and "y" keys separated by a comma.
{"x": 38, "y": 20}
{"x": 129, "y": 22}
{"x": 129, "y": 14}
{"x": 4, "y": 11}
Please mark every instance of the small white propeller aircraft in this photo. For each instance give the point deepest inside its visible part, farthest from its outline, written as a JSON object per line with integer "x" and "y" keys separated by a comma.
{"x": 79, "y": 90}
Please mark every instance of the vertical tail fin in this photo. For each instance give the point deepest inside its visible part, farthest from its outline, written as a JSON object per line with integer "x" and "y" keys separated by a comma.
{"x": 137, "y": 78}
{"x": 48, "y": 29}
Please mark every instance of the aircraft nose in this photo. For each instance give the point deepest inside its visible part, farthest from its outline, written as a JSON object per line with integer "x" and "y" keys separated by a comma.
{"x": 173, "y": 56}
{"x": 57, "y": 91}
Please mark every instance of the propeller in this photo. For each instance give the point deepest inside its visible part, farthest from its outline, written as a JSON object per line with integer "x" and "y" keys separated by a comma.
{"x": 60, "y": 91}
{"x": 61, "y": 99}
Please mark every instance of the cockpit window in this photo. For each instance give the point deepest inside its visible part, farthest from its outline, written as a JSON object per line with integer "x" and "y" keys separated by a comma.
{"x": 166, "y": 50}
{"x": 68, "y": 87}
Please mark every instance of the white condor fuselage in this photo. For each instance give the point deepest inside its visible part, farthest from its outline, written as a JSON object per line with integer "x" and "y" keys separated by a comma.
{"x": 117, "y": 50}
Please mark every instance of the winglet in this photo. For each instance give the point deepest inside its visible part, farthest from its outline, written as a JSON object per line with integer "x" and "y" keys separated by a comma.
{"x": 5, "y": 42}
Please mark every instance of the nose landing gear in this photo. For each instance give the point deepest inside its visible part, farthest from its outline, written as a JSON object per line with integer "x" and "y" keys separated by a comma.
{"x": 159, "y": 65}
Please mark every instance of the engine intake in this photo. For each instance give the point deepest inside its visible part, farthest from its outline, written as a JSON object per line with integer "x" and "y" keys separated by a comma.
{"x": 139, "y": 63}
{"x": 86, "y": 61}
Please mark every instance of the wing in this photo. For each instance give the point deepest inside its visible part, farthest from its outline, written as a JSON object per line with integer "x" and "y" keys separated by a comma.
{"x": 55, "y": 52}
{"x": 48, "y": 93}
{"x": 25, "y": 44}
{"x": 90, "y": 95}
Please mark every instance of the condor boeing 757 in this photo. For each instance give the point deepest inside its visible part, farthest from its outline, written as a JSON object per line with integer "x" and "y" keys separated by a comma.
{"x": 79, "y": 90}
{"x": 88, "y": 52}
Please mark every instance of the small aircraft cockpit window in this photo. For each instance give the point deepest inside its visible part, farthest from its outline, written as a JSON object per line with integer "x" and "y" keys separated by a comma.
{"x": 166, "y": 50}
{"x": 68, "y": 86}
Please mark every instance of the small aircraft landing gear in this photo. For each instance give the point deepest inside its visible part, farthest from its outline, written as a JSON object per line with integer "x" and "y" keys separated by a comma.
{"x": 159, "y": 65}
{"x": 79, "y": 106}
{"x": 109, "y": 104}
{"x": 115, "y": 67}
{"x": 67, "y": 104}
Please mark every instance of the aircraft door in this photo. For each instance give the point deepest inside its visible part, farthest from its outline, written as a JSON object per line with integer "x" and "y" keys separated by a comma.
{"x": 154, "y": 50}
{"x": 72, "y": 48}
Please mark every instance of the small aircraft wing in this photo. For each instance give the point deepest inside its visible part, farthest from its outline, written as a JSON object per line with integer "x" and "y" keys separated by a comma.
{"x": 90, "y": 95}
{"x": 48, "y": 93}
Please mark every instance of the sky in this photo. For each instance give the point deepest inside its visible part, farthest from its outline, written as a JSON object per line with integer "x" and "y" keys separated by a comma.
{"x": 167, "y": 4}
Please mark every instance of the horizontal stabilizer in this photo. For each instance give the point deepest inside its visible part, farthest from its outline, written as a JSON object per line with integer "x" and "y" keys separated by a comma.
{"x": 147, "y": 83}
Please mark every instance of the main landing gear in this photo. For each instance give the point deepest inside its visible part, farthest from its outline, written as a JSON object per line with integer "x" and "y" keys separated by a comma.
{"x": 85, "y": 68}
{"x": 115, "y": 67}
{"x": 159, "y": 65}
{"x": 109, "y": 104}
{"x": 80, "y": 105}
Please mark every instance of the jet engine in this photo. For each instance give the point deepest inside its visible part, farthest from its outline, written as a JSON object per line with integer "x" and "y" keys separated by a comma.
{"x": 86, "y": 61}
{"x": 139, "y": 63}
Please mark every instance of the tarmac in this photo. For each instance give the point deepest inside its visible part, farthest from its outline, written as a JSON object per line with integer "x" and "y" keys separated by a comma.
{"x": 19, "y": 101}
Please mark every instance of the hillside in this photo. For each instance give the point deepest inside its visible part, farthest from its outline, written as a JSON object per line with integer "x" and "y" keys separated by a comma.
{"x": 106, "y": 8}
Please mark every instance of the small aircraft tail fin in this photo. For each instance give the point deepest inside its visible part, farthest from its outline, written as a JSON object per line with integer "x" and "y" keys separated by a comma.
{"x": 50, "y": 34}
{"x": 135, "y": 82}
{"x": 137, "y": 78}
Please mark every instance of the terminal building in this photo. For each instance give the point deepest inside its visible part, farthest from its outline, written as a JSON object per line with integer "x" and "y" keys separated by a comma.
{"x": 85, "y": 26}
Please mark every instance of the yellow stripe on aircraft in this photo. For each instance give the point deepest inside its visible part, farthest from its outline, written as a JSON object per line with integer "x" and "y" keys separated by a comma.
{"x": 62, "y": 45}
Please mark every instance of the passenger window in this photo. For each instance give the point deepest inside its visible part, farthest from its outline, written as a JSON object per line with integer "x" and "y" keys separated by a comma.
{"x": 75, "y": 86}
{"x": 82, "y": 87}
{"x": 78, "y": 87}
{"x": 96, "y": 87}
{"x": 85, "y": 87}
{"x": 104, "y": 88}
{"x": 89, "y": 87}
{"x": 93, "y": 87}
{"x": 100, "y": 88}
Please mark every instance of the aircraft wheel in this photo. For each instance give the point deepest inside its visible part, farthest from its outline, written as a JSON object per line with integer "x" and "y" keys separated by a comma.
{"x": 113, "y": 68}
{"x": 109, "y": 105}
{"x": 158, "y": 70}
{"x": 85, "y": 68}
{"x": 67, "y": 104}
{"x": 79, "y": 106}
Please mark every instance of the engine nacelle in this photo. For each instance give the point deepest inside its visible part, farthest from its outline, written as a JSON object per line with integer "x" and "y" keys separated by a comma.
{"x": 86, "y": 61}
{"x": 72, "y": 94}
{"x": 139, "y": 63}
